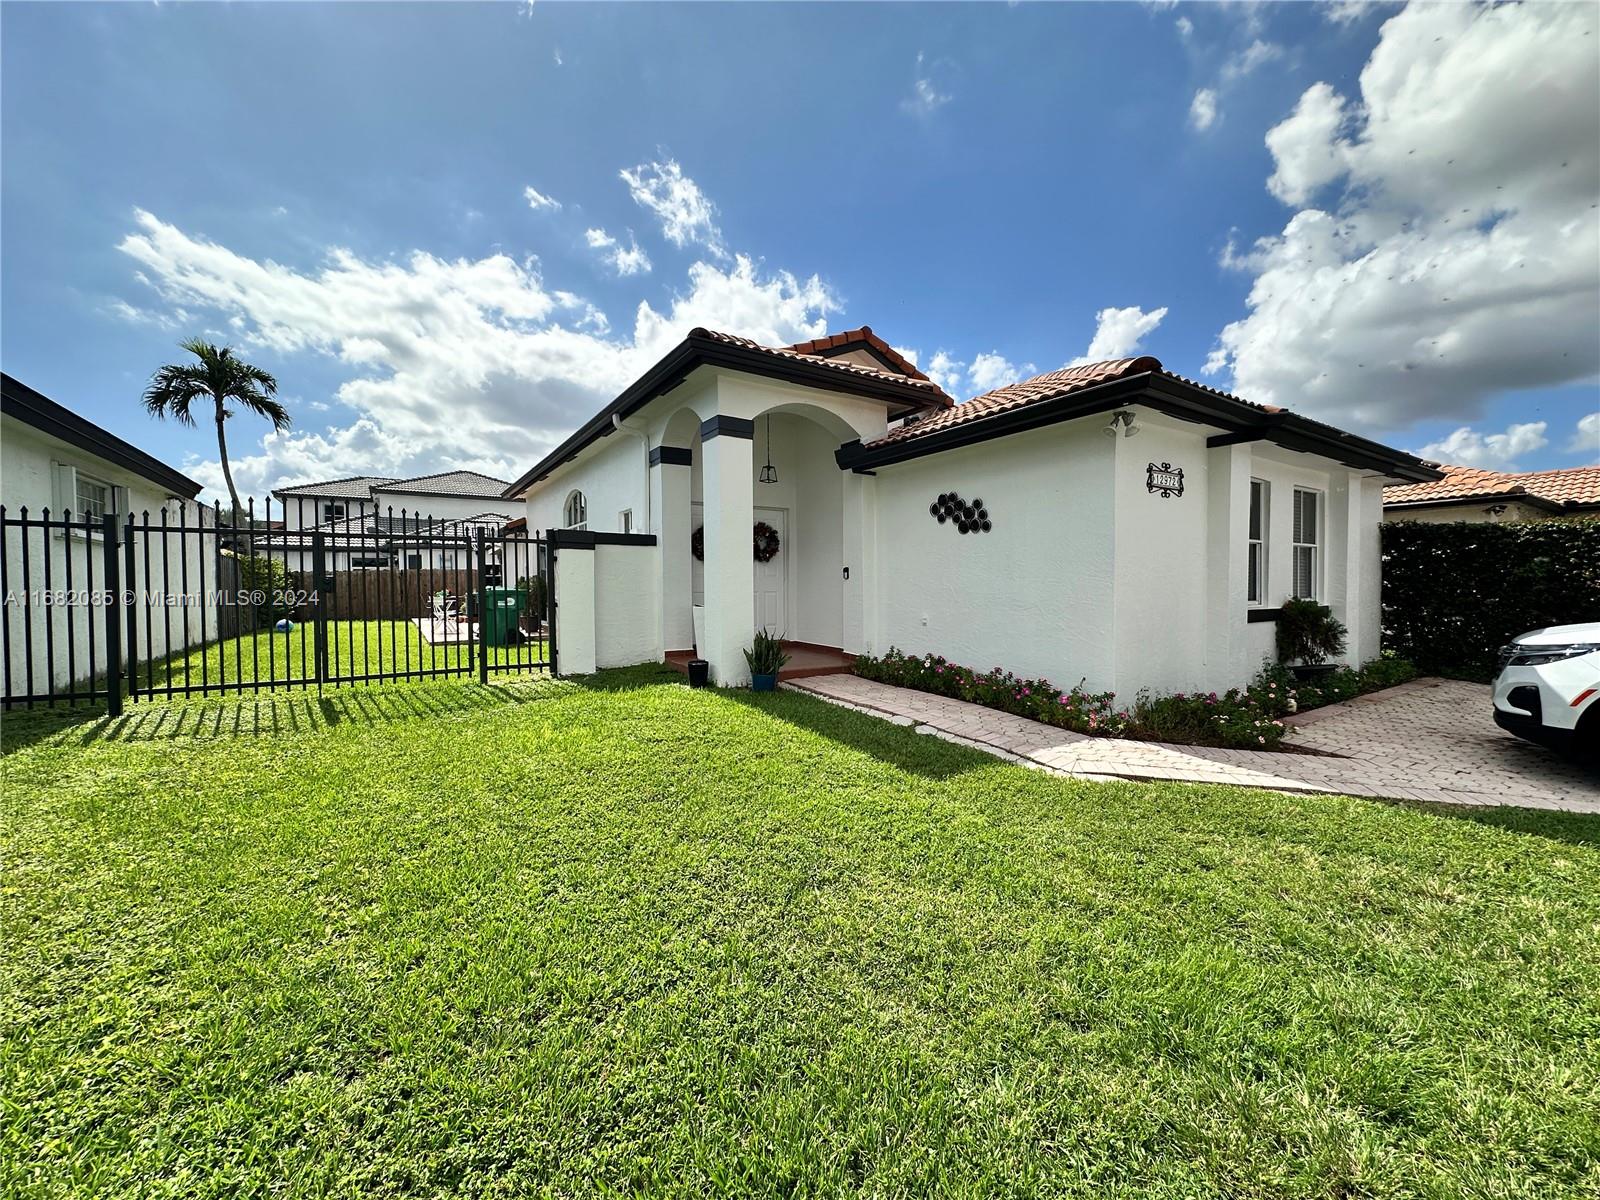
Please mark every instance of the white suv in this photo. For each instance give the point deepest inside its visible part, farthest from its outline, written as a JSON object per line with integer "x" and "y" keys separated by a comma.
{"x": 1548, "y": 689}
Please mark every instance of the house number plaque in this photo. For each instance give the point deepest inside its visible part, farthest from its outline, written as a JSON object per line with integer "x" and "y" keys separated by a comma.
{"x": 1165, "y": 479}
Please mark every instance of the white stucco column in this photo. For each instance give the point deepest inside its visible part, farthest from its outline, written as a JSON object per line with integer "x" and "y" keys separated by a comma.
{"x": 728, "y": 494}
{"x": 1353, "y": 562}
{"x": 669, "y": 507}
{"x": 1227, "y": 565}
{"x": 860, "y": 544}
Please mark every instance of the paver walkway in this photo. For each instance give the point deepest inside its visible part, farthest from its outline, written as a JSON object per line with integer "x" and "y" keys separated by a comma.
{"x": 1431, "y": 739}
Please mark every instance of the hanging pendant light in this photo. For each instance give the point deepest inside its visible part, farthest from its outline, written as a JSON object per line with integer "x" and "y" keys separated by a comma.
{"x": 769, "y": 473}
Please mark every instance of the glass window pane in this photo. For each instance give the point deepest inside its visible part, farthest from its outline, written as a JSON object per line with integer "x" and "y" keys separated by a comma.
{"x": 1256, "y": 490}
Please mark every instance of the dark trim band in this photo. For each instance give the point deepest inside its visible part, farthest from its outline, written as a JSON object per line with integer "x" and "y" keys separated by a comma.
{"x": 1255, "y": 616}
{"x": 725, "y": 426}
{"x": 586, "y": 539}
{"x": 671, "y": 456}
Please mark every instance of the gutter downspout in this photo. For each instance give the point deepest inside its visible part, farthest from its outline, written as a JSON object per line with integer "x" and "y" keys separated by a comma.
{"x": 621, "y": 426}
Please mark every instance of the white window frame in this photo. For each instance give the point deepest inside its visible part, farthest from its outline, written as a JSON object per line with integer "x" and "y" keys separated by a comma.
{"x": 1314, "y": 545}
{"x": 575, "y": 511}
{"x": 1256, "y": 541}
{"x": 92, "y": 510}
{"x": 625, "y": 521}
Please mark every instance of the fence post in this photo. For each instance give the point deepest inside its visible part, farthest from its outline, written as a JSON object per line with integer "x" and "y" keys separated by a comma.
{"x": 130, "y": 650}
{"x": 483, "y": 607}
{"x": 113, "y": 587}
{"x": 319, "y": 636}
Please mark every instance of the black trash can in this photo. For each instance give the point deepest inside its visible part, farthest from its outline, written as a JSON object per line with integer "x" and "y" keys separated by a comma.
{"x": 699, "y": 672}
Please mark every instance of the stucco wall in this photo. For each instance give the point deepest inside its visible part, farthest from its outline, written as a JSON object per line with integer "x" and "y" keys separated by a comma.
{"x": 1162, "y": 562}
{"x": 627, "y": 618}
{"x": 26, "y": 456}
{"x": 1477, "y": 511}
{"x": 1035, "y": 593}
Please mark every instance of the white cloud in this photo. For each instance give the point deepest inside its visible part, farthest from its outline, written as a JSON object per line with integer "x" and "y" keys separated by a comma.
{"x": 538, "y": 201}
{"x": 450, "y": 363}
{"x": 1185, "y": 28}
{"x": 1118, "y": 332}
{"x": 1460, "y": 256}
{"x": 1203, "y": 109}
{"x": 947, "y": 372}
{"x": 1346, "y": 12}
{"x": 1306, "y": 152}
{"x": 1466, "y": 447}
{"x": 1248, "y": 59}
{"x": 687, "y": 215}
{"x": 989, "y": 371}
{"x": 926, "y": 98}
{"x": 624, "y": 260}
{"x": 1586, "y": 440}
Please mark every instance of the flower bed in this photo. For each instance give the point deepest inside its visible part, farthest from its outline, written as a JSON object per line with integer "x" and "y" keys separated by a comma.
{"x": 1248, "y": 718}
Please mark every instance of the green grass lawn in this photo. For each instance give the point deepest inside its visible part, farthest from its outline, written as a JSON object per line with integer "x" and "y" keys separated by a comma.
{"x": 355, "y": 648}
{"x": 542, "y": 938}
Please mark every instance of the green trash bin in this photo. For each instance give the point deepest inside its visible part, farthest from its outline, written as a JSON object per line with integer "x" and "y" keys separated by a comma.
{"x": 500, "y": 622}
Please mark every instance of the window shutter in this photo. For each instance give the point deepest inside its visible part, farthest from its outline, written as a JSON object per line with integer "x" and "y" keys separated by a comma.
{"x": 1305, "y": 517}
{"x": 66, "y": 488}
{"x": 119, "y": 501}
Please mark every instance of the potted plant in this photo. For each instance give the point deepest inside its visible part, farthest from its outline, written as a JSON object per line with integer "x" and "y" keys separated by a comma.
{"x": 766, "y": 659}
{"x": 1308, "y": 632}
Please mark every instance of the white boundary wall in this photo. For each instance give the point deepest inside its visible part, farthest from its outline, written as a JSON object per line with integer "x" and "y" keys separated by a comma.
{"x": 607, "y": 601}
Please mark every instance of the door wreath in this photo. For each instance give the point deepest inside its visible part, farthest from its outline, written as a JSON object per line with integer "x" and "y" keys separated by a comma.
{"x": 766, "y": 542}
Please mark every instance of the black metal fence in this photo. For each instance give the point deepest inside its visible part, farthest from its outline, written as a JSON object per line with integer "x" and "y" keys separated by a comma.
{"x": 190, "y": 601}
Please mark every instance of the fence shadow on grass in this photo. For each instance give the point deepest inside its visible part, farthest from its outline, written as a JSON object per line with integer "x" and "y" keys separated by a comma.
{"x": 269, "y": 714}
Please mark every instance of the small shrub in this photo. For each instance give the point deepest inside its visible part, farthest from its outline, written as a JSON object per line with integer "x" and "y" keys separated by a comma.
{"x": 1248, "y": 718}
{"x": 268, "y": 577}
{"x": 1308, "y": 632}
{"x": 766, "y": 657}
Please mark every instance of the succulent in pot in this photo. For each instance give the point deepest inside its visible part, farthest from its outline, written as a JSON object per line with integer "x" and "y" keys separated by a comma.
{"x": 765, "y": 659}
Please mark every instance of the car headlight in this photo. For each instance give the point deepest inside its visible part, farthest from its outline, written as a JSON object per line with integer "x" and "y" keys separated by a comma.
{"x": 1533, "y": 656}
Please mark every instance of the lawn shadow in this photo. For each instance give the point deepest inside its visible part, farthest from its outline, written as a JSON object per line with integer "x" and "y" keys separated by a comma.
{"x": 1578, "y": 829}
{"x": 274, "y": 713}
{"x": 898, "y": 745}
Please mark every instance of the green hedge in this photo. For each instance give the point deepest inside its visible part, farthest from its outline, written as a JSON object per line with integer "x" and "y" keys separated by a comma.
{"x": 1454, "y": 594}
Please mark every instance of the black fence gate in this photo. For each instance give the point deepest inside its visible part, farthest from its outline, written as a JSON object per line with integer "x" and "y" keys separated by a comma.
{"x": 188, "y": 602}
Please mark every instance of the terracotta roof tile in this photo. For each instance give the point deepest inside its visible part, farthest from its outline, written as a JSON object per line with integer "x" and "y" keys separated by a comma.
{"x": 1570, "y": 485}
{"x": 1017, "y": 395}
{"x": 856, "y": 337}
{"x": 920, "y": 382}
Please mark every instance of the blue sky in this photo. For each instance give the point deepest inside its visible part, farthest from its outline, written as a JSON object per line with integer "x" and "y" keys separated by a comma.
{"x": 342, "y": 192}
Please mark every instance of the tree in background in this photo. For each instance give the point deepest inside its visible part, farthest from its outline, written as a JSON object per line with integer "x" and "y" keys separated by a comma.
{"x": 222, "y": 379}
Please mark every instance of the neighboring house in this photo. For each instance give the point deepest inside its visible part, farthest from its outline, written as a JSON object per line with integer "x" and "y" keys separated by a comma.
{"x": 377, "y": 522}
{"x": 380, "y": 542}
{"x": 308, "y": 504}
{"x": 1473, "y": 494}
{"x": 1111, "y": 522}
{"x": 52, "y": 458}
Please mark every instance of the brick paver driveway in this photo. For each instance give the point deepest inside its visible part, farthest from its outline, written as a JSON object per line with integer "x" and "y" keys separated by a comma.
{"x": 1432, "y": 739}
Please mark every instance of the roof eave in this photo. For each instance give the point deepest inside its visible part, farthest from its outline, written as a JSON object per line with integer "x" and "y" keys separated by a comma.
{"x": 1165, "y": 393}
{"x": 697, "y": 351}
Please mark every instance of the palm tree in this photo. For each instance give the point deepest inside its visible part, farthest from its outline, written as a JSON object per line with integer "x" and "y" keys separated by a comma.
{"x": 222, "y": 378}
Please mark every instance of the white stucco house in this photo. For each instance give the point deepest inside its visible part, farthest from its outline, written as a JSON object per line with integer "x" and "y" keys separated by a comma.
{"x": 1112, "y": 522}
{"x": 53, "y": 459}
{"x": 374, "y": 522}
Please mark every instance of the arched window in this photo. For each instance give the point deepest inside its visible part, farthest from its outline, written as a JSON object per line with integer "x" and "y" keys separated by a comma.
{"x": 576, "y": 513}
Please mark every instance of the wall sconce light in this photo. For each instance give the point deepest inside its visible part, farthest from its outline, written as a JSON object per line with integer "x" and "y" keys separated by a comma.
{"x": 1121, "y": 421}
{"x": 769, "y": 473}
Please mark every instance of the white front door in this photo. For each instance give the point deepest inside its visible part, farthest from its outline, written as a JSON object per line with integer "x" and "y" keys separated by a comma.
{"x": 772, "y": 578}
